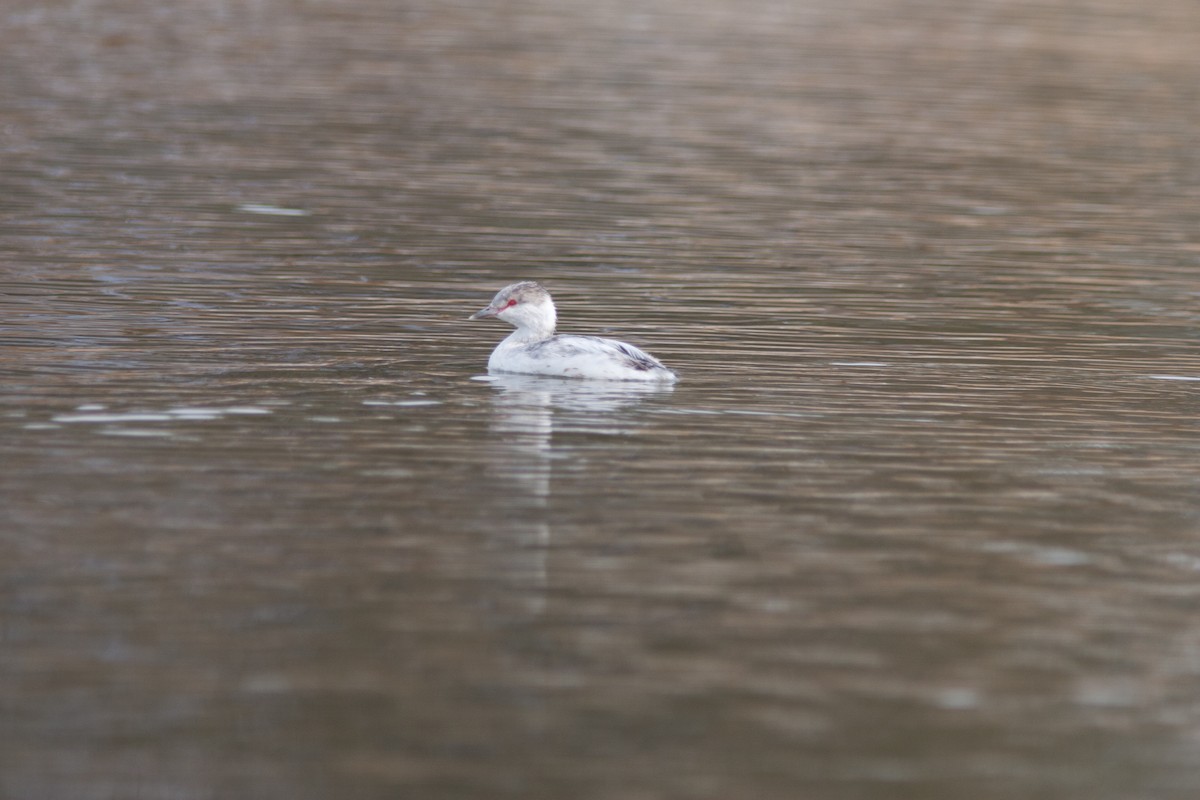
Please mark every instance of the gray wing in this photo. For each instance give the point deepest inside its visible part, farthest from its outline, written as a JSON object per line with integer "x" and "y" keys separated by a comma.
{"x": 570, "y": 345}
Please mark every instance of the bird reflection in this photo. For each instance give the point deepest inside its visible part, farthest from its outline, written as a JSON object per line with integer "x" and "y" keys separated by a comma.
{"x": 528, "y": 411}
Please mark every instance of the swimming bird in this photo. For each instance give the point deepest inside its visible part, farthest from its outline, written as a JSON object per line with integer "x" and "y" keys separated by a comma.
{"x": 534, "y": 349}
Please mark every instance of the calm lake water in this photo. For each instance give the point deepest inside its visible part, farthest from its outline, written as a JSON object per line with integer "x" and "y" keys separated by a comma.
{"x": 921, "y": 519}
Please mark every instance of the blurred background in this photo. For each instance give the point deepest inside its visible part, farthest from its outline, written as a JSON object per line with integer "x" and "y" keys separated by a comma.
{"x": 920, "y": 520}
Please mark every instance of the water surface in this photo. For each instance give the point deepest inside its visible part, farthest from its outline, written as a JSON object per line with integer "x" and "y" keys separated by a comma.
{"x": 919, "y": 521}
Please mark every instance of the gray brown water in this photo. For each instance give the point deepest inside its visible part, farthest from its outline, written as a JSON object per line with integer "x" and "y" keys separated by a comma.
{"x": 921, "y": 520}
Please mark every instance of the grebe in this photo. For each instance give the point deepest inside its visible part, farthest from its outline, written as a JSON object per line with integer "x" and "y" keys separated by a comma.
{"x": 533, "y": 349}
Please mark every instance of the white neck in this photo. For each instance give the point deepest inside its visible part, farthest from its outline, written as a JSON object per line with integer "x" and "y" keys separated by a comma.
{"x": 533, "y": 323}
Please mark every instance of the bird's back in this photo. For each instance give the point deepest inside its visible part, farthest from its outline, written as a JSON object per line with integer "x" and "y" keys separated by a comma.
{"x": 570, "y": 356}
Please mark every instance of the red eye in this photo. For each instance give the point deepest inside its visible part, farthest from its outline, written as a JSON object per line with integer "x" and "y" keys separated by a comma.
{"x": 511, "y": 303}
